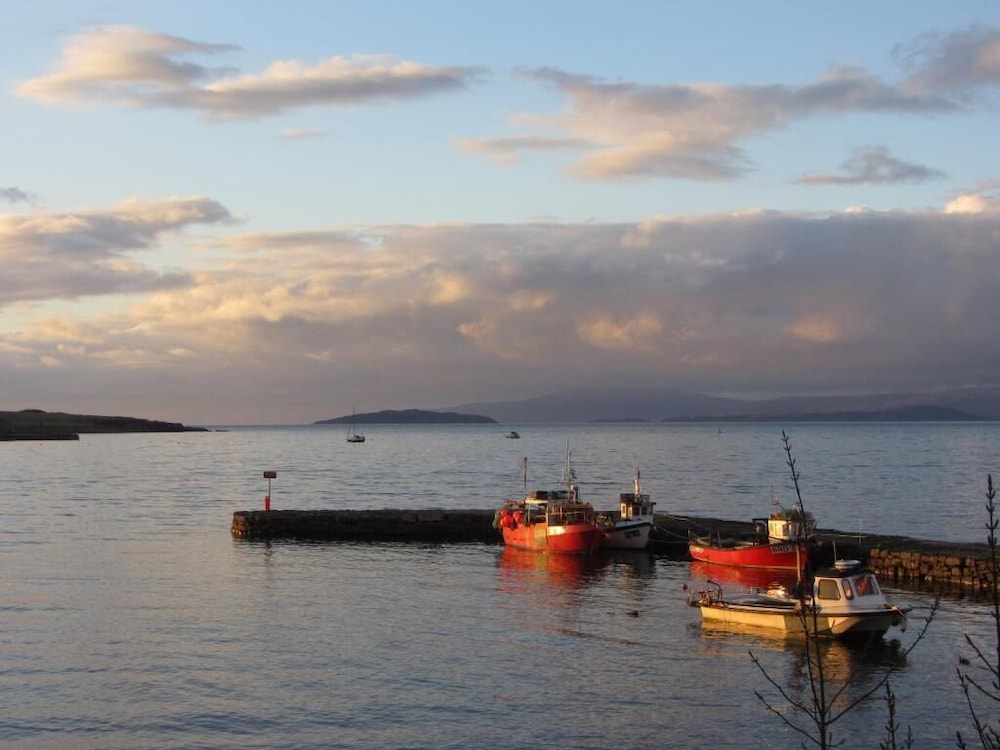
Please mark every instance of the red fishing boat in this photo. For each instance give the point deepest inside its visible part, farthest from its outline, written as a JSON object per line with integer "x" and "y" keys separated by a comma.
{"x": 550, "y": 520}
{"x": 783, "y": 540}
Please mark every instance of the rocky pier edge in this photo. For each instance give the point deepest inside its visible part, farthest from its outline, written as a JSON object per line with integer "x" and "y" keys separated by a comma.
{"x": 895, "y": 560}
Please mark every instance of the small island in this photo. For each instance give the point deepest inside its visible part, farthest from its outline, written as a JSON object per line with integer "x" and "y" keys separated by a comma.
{"x": 36, "y": 424}
{"x": 410, "y": 416}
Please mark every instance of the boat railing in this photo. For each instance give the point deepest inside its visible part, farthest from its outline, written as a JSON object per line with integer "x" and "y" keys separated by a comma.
{"x": 562, "y": 517}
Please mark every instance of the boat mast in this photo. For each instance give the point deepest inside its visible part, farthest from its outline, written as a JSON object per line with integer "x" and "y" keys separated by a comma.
{"x": 568, "y": 476}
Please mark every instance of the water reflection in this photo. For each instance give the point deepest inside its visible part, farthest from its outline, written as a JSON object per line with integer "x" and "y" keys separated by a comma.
{"x": 566, "y": 571}
{"x": 728, "y": 575}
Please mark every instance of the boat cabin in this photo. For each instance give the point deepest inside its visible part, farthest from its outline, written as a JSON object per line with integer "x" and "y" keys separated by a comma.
{"x": 635, "y": 505}
{"x": 567, "y": 514}
{"x": 787, "y": 526}
{"x": 846, "y": 581}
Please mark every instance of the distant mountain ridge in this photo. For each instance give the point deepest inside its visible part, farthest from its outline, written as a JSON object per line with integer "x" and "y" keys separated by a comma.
{"x": 410, "y": 416}
{"x": 657, "y": 405}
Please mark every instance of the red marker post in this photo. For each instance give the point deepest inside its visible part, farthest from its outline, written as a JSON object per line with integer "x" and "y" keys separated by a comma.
{"x": 269, "y": 475}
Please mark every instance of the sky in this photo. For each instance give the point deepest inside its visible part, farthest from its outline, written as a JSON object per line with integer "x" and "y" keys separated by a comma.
{"x": 275, "y": 213}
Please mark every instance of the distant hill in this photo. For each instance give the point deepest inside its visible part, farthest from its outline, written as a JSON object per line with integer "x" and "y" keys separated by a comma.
{"x": 35, "y": 424}
{"x": 410, "y": 416}
{"x": 667, "y": 404}
{"x": 903, "y": 414}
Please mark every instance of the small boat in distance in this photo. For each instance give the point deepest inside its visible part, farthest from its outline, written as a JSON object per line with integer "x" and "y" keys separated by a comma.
{"x": 353, "y": 436}
{"x": 843, "y": 602}
{"x": 554, "y": 521}
{"x": 513, "y": 435}
{"x": 783, "y": 540}
{"x": 631, "y": 525}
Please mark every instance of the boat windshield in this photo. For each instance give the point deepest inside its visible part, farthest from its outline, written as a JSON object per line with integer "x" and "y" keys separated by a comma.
{"x": 865, "y": 585}
{"x": 828, "y": 589}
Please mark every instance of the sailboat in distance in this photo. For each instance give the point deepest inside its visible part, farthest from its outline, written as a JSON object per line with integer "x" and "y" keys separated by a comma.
{"x": 353, "y": 436}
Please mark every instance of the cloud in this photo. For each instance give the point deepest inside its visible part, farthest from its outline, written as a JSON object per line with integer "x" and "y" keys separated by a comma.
{"x": 633, "y": 335}
{"x": 691, "y": 131}
{"x": 506, "y": 150}
{"x": 762, "y": 301}
{"x": 984, "y": 200}
{"x": 697, "y": 131}
{"x": 50, "y": 256}
{"x": 874, "y": 166}
{"x": 957, "y": 61}
{"x": 126, "y": 66}
{"x": 300, "y": 134}
{"x": 15, "y": 195}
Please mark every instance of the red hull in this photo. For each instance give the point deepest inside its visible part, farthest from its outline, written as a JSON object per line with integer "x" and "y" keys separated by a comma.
{"x": 574, "y": 539}
{"x": 784, "y": 556}
{"x": 742, "y": 576}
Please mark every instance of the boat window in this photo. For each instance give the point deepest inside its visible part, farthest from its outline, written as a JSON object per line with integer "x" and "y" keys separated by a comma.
{"x": 848, "y": 591}
{"x": 865, "y": 585}
{"x": 828, "y": 589}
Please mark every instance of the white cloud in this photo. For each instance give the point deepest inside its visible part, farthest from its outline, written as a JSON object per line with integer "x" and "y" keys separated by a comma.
{"x": 87, "y": 253}
{"x": 986, "y": 200}
{"x": 699, "y": 131}
{"x": 132, "y": 67}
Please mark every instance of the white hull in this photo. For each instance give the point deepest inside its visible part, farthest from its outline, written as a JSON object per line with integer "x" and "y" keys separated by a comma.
{"x": 633, "y": 535}
{"x": 630, "y": 527}
{"x": 790, "y": 620}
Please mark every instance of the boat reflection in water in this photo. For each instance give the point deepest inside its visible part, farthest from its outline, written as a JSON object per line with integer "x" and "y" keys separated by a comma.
{"x": 749, "y": 578}
{"x": 570, "y": 571}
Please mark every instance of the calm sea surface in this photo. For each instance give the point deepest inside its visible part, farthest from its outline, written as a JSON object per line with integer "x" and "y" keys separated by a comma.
{"x": 130, "y": 618}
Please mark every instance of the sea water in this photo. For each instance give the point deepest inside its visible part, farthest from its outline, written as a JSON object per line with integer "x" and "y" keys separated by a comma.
{"x": 130, "y": 618}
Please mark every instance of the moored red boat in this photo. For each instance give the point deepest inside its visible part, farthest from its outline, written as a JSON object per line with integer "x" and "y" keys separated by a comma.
{"x": 550, "y": 520}
{"x": 783, "y": 541}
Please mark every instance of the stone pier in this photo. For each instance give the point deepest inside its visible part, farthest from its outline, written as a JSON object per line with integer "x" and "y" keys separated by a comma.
{"x": 895, "y": 560}
{"x": 367, "y": 525}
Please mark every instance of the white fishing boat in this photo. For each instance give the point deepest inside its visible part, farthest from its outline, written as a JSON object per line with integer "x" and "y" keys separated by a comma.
{"x": 844, "y": 602}
{"x": 631, "y": 525}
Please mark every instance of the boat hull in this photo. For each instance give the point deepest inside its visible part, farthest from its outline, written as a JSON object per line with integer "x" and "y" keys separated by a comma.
{"x": 784, "y": 556}
{"x": 574, "y": 539}
{"x": 787, "y": 618}
{"x": 628, "y": 535}
{"x": 526, "y": 536}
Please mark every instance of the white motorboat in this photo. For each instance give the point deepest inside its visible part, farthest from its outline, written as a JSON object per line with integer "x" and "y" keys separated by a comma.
{"x": 844, "y": 602}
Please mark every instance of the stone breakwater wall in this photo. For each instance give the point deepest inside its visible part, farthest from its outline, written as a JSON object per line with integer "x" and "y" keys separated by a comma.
{"x": 895, "y": 560}
{"x": 367, "y": 525}
{"x": 967, "y": 567}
